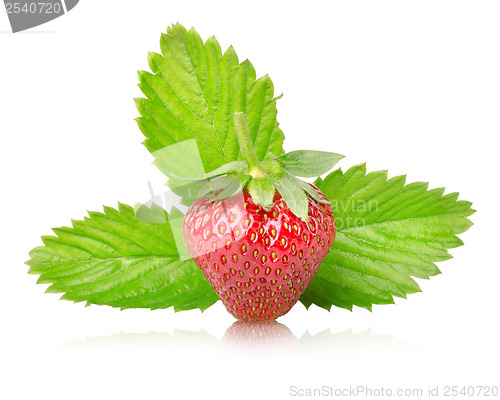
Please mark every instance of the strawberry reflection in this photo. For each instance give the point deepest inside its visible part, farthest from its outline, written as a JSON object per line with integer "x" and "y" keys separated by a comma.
{"x": 259, "y": 335}
{"x": 250, "y": 338}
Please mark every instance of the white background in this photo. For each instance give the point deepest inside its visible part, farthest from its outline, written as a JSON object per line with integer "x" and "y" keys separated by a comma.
{"x": 408, "y": 86}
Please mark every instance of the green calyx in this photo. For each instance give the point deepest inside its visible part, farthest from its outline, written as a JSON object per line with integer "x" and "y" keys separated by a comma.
{"x": 181, "y": 162}
{"x": 263, "y": 178}
{"x": 268, "y": 176}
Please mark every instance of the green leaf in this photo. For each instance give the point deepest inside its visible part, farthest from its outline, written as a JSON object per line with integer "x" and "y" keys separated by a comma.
{"x": 387, "y": 233}
{"x": 194, "y": 91}
{"x": 309, "y": 163}
{"x": 117, "y": 259}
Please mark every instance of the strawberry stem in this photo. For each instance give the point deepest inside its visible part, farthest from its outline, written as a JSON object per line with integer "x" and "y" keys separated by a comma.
{"x": 246, "y": 146}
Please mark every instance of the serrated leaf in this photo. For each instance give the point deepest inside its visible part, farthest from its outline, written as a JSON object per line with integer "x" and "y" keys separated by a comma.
{"x": 309, "y": 163}
{"x": 153, "y": 215}
{"x": 193, "y": 93}
{"x": 387, "y": 233}
{"x": 116, "y": 259}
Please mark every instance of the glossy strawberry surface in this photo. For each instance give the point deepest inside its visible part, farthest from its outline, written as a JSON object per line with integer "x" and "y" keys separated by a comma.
{"x": 259, "y": 262}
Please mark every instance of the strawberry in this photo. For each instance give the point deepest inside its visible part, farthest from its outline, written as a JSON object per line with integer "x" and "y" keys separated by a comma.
{"x": 259, "y": 234}
{"x": 258, "y": 261}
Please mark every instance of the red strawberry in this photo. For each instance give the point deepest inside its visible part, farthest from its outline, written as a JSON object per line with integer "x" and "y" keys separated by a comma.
{"x": 259, "y": 262}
